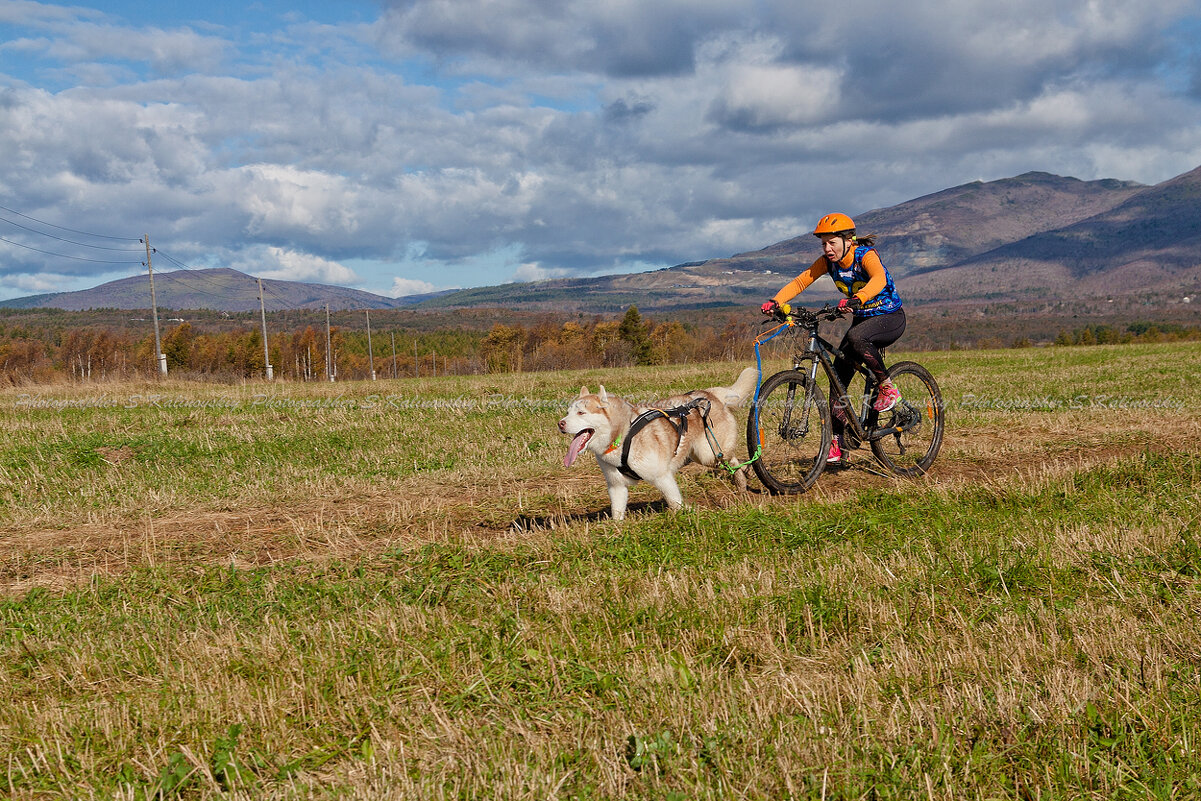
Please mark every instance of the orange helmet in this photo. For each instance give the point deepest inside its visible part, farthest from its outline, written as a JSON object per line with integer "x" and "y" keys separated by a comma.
{"x": 834, "y": 224}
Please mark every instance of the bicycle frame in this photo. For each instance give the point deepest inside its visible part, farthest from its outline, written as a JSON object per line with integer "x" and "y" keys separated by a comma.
{"x": 820, "y": 351}
{"x": 798, "y": 453}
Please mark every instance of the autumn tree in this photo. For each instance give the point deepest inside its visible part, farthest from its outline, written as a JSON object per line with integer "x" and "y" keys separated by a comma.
{"x": 502, "y": 349}
{"x": 177, "y": 347}
{"x": 306, "y": 353}
{"x": 104, "y": 353}
{"x": 25, "y": 360}
{"x": 670, "y": 343}
{"x": 633, "y": 331}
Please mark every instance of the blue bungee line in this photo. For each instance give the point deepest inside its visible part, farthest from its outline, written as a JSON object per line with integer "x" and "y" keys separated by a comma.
{"x": 762, "y": 340}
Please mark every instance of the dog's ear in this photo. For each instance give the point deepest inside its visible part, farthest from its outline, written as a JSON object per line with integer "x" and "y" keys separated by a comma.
{"x": 604, "y": 396}
{"x": 583, "y": 391}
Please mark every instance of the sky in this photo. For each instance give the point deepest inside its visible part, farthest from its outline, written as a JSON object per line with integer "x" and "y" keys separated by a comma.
{"x": 407, "y": 146}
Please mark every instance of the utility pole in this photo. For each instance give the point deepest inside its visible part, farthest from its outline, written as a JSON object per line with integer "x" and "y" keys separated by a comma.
{"x": 158, "y": 345}
{"x": 394, "y": 354}
{"x": 370, "y": 356}
{"x": 329, "y": 352}
{"x": 263, "y": 313}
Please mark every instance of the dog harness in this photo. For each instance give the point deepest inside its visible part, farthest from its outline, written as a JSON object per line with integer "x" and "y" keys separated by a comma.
{"x": 672, "y": 415}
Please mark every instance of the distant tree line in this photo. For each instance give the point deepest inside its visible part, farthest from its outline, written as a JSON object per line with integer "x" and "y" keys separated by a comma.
{"x": 1135, "y": 332}
{"x": 47, "y": 351}
{"x": 632, "y": 340}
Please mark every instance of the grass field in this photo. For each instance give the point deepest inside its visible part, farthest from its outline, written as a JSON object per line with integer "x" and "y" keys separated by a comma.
{"x": 396, "y": 590}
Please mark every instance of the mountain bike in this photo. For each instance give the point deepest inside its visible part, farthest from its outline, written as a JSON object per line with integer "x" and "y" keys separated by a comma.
{"x": 790, "y": 427}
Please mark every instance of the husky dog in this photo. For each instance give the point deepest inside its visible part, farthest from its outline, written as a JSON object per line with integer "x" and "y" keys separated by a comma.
{"x": 685, "y": 428}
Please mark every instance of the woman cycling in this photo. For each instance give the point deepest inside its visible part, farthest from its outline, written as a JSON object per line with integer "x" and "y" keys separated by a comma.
{"x": 871, "y": 295}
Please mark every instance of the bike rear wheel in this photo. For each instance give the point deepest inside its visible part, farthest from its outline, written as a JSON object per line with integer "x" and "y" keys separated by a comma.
{"x": 917, "y": 419}
{"x": 789, "y": 427}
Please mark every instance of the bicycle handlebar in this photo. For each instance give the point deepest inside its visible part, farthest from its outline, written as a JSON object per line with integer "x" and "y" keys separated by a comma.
{"x": 806, "y": 317}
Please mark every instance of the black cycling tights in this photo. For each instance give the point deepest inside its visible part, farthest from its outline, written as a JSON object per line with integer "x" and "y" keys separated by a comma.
{"x": 862, "y": 342}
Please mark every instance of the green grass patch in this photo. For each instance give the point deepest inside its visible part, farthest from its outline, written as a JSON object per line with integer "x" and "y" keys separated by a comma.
{"x": 748, "y": 652}
{"x": 1028, "y": 632}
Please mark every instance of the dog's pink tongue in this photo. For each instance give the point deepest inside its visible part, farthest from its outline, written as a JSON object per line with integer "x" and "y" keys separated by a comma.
{"x": 577, "y": 445}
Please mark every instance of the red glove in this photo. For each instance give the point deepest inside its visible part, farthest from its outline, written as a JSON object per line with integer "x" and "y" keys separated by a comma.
{"x": 850, "y": 304}
{"x": 769, "y": 308}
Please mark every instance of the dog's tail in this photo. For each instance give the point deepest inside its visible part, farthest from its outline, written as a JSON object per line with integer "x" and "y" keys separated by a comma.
{"x": 742, "y": 388}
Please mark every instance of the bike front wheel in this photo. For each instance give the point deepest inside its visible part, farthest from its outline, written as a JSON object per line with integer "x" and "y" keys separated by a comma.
{"x": 789, "y": 428}
{"x": 908, "y": 436}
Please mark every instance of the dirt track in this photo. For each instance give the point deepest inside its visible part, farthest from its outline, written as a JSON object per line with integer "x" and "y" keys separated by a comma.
{"x": 425, "y": 508}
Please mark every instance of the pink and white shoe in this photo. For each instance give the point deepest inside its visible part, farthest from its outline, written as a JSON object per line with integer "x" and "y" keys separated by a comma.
{"x": 835, "y": 455}
{"x": 887, "y": 397}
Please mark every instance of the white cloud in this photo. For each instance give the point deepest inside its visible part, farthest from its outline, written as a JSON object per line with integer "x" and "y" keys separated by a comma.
{"x": 532, "y": 271}
{"x": 529, "y": 138}
{"x": 167, "y": 52}
{"x": 281, "y": 200}
{"x": 765, "y": 96}
{"x": 615, "y": 38}
{"x": 291, "y": 265}
{"x": 37, "y": 284}
{"x": 27, "y": 12}
{"x": 402, "y": 287}
{"x": 77, "y": 35}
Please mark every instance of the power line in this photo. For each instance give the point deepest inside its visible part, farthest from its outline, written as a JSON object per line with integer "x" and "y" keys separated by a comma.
{"x": 68, "y": 241}
{"x": 184, "y": 268}
{"x": 172, "y": 259}
{"x": 286, "y": 303}
{"x": 174, "y": 276}
{"x": 72, "y": 230}
{"x": 65, "y": 256}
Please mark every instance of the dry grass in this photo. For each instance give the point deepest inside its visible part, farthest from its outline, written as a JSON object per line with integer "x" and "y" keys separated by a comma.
{"x": 422, "y": 602}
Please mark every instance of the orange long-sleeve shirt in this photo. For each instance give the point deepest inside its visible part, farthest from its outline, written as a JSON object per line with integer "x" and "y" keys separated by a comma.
{"x": 877, "y": 278}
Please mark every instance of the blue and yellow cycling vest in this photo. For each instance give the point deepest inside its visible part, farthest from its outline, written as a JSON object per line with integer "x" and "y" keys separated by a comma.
{"x": 850, "y": 280}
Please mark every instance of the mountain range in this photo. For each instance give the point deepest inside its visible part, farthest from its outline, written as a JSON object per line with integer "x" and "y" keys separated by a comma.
{"x": 1035, "y": 235}
{"x": 220, "y": 289}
